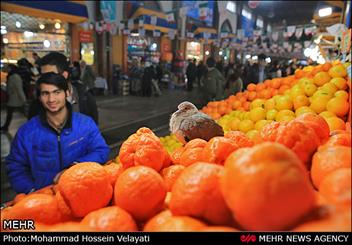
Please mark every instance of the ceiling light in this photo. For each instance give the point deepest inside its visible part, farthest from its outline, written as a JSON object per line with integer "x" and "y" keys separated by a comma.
{"x": 5, "y": 40}
{"x": 28, "y": 34}
{"x": 3, "y": 31}
{"x": 325, "y": 12}
{"x": 57, "y": 25}
{"x": 207, "y": 52}
{"x": 220, "y": 52}
{"x": 41, "y": 26}
{"x": 3, "y": 27}
{"x": 18, "y": 24}
{"x": 268, "y": 60}
{"x": 248, "y": 56}
{"x": 46, "y": 43}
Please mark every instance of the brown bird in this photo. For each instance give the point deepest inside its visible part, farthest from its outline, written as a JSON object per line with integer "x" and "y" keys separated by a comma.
{"x": 188, "y": 123}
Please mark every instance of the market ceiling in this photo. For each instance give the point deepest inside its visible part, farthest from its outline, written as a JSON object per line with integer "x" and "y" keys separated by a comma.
{"x": 292, "y": 12}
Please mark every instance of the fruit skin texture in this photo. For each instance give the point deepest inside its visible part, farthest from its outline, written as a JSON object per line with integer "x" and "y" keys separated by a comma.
{"x": 318, "y": 124}
{"x": 336, "y": 187}
{"x": 41, "y": 208}
{"x": 327, "y": 160}
{"x": 158, "y": 220}
{"x": 170, "y": 174}
{"x": 140, "y": 191}
{"x": 85, "y": 187}
{"x": 217, "y": 150}
{"x": 197, "y": 193}
{"x": 144, "y": 148}
{"x": 180, "y": 223}
{"x": 110, "y": 219}
{"x": 295, "y": 135}
{"x": 266, "y": 181}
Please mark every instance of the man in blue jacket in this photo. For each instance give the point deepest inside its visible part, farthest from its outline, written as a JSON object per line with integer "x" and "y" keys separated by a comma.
{"x": 53, "y": 140}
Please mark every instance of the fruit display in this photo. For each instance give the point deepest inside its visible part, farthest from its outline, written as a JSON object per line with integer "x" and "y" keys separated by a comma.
{"x": 283, "y": 164}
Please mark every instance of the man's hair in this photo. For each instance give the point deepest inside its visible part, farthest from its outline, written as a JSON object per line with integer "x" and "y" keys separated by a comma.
{"x": 52, "y": 78}
{"x": 57, "y": 59}
{"x": 210, "y": 62}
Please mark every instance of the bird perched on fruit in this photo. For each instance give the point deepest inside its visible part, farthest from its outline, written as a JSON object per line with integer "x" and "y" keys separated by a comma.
{"x": 188, "y": 123}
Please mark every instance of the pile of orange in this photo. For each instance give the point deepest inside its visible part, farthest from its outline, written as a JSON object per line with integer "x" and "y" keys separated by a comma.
{"x": 294, "y": 176}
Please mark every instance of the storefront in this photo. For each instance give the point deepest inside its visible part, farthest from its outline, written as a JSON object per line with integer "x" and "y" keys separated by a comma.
{"x": 194, "y": 50}
{"x": 41, "y": 27}
{"x": 23, "y": 35}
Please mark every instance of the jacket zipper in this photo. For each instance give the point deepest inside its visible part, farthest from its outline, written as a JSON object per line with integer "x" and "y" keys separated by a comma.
{"x": 60, "y": 155}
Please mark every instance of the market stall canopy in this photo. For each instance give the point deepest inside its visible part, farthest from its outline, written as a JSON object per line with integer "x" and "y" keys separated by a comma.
{"x": 204, "y": 32}
{"x": 68, "y": 11}
{"x": 147, "y": 16}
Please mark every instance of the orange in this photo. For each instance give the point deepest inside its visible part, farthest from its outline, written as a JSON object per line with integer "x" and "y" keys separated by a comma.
{"x": 329, "y": 220}
{"x": 335, "y": 123}
{"x": 343, "y": 139}
{"x": 339, "y": 82}
{"x": 110, "y": 219}
{"x": 217, "y": 150}
{"x": 144, "y": 148}
{"x": 251, "y": 87}
{"x": 321, "y": 78}
{"x": 170, "y": 174}
{"x": 336, "y": 186}
{"x": 140, "y": 191}
{"x": 326, "y": 66}
{"x": 234, "y": 123}
{"x": 158, "y": 220}
{"x": 192, "y": 152}
{"x": 179, "y": 223}
{"x": 295, "y": 135}
{"x": 327, "y": 160}
{"x": 41, "y": 208}
{"x": 114, "y": 170}
{"x": 283, "y": 102}
{"x": 257, "y": 114}
{"x": 239, "y": 138}
{"x": 64, "y": 208}
{"x": 85, "y": 187}
{"x": 338, "y": 71}
{"x": 271, "y": 114}
{"x": 341, "y": 94}
{"x": 197, "y": 193}
{"x": 19, "y": 197}
{"x": 299, "y": 101}
{"x": 257, "y": 103}
{"x": 310, "y": 89}
{"x": 318, "y": 124}
{"x": 318, "y": 103}
{"x": 338, "y": 106}
{"x": 248, "y": 176}
{"x": 327, "y": 114}
{"x": 246, "y": 125}
{"x": 176, "y": 155}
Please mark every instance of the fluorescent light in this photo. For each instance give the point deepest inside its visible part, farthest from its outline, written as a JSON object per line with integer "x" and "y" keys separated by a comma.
{"x": 325, "y": 12}
{"x": 3, "y": 27}
{"x": 255, "y": 57}
{"x": 133, "y": 34}
{"x": 41, "y": 26}
{"x": 28, "y": 34}
{"x": 3, "y": 31}
{"x": 5, "y": 40}
{"x": 248, "y": 56}
{"x": 207, "y": 52}
{"x": 18, "y": 24}
{"x": 220, "y": 52}
{"x": 57, "y": 25}
{"x": 231, "y": 6}
{"x": 246, "y": 14}
{"x": 268, "y": 60}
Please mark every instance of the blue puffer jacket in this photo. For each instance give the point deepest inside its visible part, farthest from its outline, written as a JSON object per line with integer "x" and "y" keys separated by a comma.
{"x": 38, "y": 152}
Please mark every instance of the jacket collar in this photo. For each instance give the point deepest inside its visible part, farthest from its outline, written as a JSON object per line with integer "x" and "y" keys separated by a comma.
{"x": 44, "y": 121}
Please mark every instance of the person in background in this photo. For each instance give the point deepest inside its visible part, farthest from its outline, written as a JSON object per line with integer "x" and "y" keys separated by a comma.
{"x": 261, "y": 68}
{"x": 191, "y": 73}
{"x": 87, "y": 76}
{"x": 201, "y": 71}
{"x": 16, "y": 96}
{"x": 80, "y": 98}
{"x": 54, "y": 140}
{"x": 148, "y": 75}
{"x": 36, "y": 59}
{"x": 234, "y": 84}
{"x": 213, "y": 83}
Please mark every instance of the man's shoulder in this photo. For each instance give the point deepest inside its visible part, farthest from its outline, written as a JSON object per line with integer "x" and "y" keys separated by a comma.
{"x": 30, "y": 127}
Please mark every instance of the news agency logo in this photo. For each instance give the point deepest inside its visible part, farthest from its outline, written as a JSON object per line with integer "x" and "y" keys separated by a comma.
{"x": 248, "y": 238}
{"x": 15, "y": 224}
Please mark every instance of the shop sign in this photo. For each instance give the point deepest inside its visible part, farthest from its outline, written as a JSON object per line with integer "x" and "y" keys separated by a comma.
{"x": 85, "y": 37}
{"x": 166, "y": 47}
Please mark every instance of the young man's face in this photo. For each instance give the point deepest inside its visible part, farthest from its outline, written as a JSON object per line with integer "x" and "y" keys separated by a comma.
{"x": 52, "y": 98}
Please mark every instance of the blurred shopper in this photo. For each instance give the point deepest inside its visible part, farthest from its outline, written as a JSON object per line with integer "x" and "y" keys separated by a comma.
{"x": 213, "y": 83}
{"x": 53, "y": 140}
{"x": 201, "y": 71}
{"x": 261, "y": 68}
{"x": 148, "y": 75}
{"x": 234, "y": 84}
{"x": 87, "y": 76}
{"x": 191, "y": 74}
{"x": 16, "y": 96}
{"x": 36, "y": 59}
{"x": 178, "y": 67}
{"x": 25, "y": 71}
{"x": 135, "y": 74}
{"x": 80, "y": 98}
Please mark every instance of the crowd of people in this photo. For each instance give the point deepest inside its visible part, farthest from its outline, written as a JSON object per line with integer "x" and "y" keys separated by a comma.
{"x": 215, "y": 79}
{"x": 22, "y": 93}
